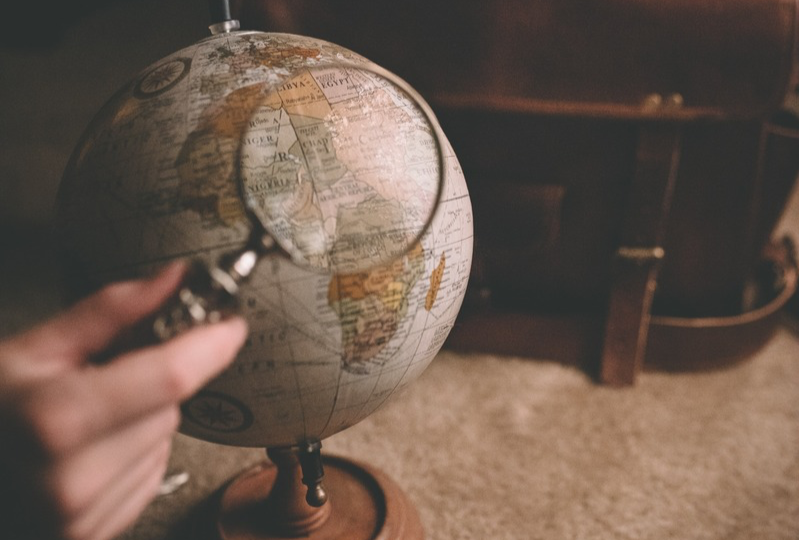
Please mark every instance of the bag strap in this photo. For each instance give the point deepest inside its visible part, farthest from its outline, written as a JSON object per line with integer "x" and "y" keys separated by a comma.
{"x": 640, "y": 253}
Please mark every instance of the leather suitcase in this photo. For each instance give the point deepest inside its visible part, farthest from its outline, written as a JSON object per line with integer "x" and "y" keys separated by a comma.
{"x": 627, "y": 162}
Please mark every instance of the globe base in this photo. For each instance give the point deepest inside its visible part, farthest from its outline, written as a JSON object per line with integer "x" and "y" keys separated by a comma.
{"x": 267, "y": 502}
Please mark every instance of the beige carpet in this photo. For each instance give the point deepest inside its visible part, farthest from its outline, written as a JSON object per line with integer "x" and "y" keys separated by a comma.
{"x": 509, "y": 448}
{"x": 485, "y": 447}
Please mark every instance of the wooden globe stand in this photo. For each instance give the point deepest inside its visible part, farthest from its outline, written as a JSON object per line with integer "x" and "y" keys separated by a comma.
{"x": 268, "y": 502}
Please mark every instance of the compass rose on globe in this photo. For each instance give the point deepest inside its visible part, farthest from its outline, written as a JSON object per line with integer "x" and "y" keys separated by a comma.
{"x": 163, "y": 77}
{"x": 217, "y": 412}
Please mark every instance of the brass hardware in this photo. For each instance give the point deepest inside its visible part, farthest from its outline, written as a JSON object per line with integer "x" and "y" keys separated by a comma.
{"x": 656, "y": 101}
{"x": 674, "y": 101}
{"x": 652, "y": 101}
{"x": 640, "y": 254}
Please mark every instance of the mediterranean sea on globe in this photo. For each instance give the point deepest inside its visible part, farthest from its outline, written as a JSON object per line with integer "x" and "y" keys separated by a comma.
{"x": 152, "y": 180}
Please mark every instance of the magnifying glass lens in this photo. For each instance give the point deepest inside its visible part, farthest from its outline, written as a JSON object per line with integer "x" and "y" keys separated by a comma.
{"x": 342, "y": 166}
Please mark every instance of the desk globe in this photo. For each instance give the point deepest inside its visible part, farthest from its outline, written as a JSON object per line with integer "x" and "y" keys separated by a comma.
{"x": 151, "y": 180}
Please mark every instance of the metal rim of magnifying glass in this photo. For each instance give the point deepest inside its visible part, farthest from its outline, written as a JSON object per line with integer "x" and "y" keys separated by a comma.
{"x": 438, "y": 136}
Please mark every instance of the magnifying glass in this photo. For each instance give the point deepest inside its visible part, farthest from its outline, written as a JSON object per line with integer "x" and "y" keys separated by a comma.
{"x": 339, "y": 168}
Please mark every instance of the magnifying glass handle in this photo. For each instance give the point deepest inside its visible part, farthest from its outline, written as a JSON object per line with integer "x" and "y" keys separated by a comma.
{"x": 208, "y": 294}
{"x": 202, "y": 298}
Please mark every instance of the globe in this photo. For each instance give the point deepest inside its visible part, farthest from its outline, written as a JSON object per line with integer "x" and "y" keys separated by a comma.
{"x": 151, "y": 181}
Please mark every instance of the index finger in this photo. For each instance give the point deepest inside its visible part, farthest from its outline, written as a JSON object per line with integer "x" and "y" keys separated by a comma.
{"x": 98, "y": 400}
{"x": 94, "y": 322}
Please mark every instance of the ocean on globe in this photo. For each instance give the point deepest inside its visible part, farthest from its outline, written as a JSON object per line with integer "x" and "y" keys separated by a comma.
{"x": 152, "y": 180}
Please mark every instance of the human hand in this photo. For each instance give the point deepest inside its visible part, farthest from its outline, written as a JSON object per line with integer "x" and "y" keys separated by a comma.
{"x": 83, "y": 447}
